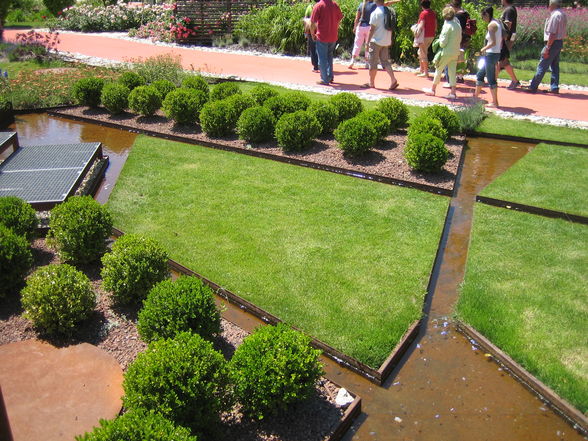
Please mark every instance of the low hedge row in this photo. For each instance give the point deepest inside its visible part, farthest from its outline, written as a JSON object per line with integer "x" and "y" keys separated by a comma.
{"x": 221, "y": 112}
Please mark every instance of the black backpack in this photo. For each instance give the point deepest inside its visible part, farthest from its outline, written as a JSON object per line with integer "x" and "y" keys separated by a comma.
{"x": 390, "y": 19}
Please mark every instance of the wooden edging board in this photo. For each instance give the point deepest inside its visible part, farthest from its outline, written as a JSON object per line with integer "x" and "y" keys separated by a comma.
{"x": 258, "y": 154}
{"x": 533, "y": 210}
{"x": 578, "y": 421}
{"x": 352, "y": 411}
{"x": 523, "y": 139}
{"x": 377, "y": 376}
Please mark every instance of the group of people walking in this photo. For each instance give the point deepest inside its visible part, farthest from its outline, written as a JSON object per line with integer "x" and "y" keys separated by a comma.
{"x": 373, "y": 28}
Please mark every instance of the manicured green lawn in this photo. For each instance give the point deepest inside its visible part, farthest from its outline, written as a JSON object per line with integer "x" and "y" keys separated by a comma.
{"x": 344, "y": 259}
{"x": 550, "y": 176}
{"x": 525, "y": 289}
{"x": 527, "y": 129}
{"x": 14, "y": 68}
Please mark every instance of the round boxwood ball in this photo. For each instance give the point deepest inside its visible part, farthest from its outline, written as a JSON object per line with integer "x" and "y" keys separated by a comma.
{"x": 425, "y": 152}
{"x": 19, "y": 216}
{"x": 15, "y": 260}
{"x": 355, "y": 137}
{"x": 256, "y": 124}
{"x": 296, "y": 131}
{"x": 183, "y": 305}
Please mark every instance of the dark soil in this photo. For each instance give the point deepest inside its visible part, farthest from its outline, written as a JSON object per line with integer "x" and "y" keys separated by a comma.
{"x": 385, "y": 160}
{"x": 114, "y": 330}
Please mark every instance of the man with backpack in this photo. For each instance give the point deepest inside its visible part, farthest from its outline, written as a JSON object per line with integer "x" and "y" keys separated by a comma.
{"x": 509, "y": 20}
{"x": 380, "y": 37}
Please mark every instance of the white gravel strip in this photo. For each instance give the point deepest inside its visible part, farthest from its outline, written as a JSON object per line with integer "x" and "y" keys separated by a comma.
{"x": 95, "y": 61}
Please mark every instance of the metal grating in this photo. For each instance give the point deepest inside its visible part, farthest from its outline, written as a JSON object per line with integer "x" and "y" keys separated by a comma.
{"x": 46, "y": 173}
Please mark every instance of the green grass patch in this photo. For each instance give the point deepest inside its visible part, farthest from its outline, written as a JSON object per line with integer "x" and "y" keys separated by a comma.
{"x": 513, "y": 127}
{"x": 16, "y": 67}
{"x": 552, "y": 177}
{"x": 525, "y": 289}
{"x": 570, "y": 73}
{"x": 344, "y": 259}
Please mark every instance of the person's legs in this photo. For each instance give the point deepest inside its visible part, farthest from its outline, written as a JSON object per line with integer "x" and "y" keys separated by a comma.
{"x": 374, "y": 59}
{"x": 323, "y": 59}
{"x": 491, "y": 61}
{"x": 357, "y": 42}
{"x": 556, "y": 49}
{"x": 384, "y": 55}
{"x": 480, "y": 77}
{"x": 424, "y": 56}
{"x": 543, "y": 66}
{"x": 452, "y": 72}
{"x": 330, "y": 56}
{"x": 311, "y": 45}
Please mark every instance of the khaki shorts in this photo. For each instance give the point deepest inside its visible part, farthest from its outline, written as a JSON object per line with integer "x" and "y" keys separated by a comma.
{"x": 424, "y": 49}
{"x": 379, "y": 55}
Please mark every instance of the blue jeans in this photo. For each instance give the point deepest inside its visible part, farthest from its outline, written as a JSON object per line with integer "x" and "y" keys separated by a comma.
{"x": 325, "y": 52}
{"x": 545, "y": 64}
{"x": 488, "y": 70}
{"x": 311, "y": 49}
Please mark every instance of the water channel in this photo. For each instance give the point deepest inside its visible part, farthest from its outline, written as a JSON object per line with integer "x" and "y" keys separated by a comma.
{"x": 444, "y": 388}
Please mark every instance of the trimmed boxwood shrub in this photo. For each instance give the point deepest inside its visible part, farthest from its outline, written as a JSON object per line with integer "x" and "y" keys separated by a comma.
{"x": 448, "y": 118}
{"x": 348, "y": 105}
{"x": 237, "y": 104}
{"x": 163, "y": 87}
{"x": 395, "y": 110}
{"x": 58, "y": 297}
{"x": 16, "y": 260}
{"x": 184, "y": 105}
{"x": 138, "y": 425}
{"x": 426, "y": 124}
{"x": 326, "y": 114}
{"x": 135, "y": 264}
{"x": 183, "y": 305}
{"x": 256, "y": 124}
{"x": 87, "y": 91}
{"x": 19, "y": 216}
{"x": 215, "y": 118}
{"x": 262, "y": 92}
{"x": 288, "y": 102}
{"x": 131, "y": 79}
{"x": 196, "y": 82}
{"x": 296, "y": 131}
{"x": 115, "y": 97}
{"x": 145, "y": 100}
{"x": 355, "y": 137}
{"x": 273, "y": 368}
{"x": 78, "y": 229}
{"x": 425, "y": 152}
{"x": 224, "y": 90}
{"x": 378, "y": 120}
{"x": 184, "y": 379}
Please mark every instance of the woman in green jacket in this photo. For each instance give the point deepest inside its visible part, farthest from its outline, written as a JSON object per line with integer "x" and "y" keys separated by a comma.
{"x": 449, "y": 44}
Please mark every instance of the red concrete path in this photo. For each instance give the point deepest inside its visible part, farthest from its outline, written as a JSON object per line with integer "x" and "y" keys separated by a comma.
{"x": 571, "y": 105}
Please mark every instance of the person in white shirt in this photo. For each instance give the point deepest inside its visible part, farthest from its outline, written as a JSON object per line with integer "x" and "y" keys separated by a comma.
{"x": 491, "y": 53}
{"x": 380, "y": 38}
{"x": 553, "y": 35}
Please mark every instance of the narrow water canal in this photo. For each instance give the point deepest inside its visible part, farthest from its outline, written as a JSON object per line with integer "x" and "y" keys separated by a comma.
{"x": 444, "y": 389}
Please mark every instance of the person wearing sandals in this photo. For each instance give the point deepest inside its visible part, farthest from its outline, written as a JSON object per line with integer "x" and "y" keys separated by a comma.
{"x": 427, "y": 24}
{"x": 491, "y": 53}
{"x": 449, "y": 45}
{"x": 380, "y": 38}
{"x": 361, "y": 29}
{"x": 509, "y": 17}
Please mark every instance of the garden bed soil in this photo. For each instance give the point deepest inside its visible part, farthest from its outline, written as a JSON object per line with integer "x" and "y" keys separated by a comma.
{"x": 113, "y": 329}
{"x": 385, "y": 160}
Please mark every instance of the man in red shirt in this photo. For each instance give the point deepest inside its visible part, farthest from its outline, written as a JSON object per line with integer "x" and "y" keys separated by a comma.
{"x": 428, "y": 24}
{"x": 325, "y": 19}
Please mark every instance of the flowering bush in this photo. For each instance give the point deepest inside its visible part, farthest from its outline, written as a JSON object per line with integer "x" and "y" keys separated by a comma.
{"x": 181, "y": 28}
{"x": 118, "y": 17}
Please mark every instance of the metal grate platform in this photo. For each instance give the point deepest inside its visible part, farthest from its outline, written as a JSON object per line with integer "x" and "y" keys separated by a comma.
{"x": 45, "y": 175}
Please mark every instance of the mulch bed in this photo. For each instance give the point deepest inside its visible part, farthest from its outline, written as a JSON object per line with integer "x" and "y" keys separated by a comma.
{"x": 114, "y": 330}
{"x": 385, "y": 160}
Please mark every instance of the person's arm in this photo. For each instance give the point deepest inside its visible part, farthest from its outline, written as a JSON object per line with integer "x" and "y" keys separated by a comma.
{"x": 444, "y": 36}
{"x": 391, "y": 2}
{"x": 356, "y": 22}
{"x": 552, "y": 34}
{"x": 492, "y": 28}
{"x": 371, "y": 34}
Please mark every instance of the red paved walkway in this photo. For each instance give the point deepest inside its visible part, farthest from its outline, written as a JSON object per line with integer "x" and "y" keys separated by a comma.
{"x": 571, "y": 105}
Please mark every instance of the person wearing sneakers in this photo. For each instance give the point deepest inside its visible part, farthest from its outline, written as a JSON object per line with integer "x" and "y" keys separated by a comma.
{"x": 553, "y": 35}
{"x": 491, "y": 53}
{"x": 509, "y": 17}
{"x": 361, "y": 29}
{"x": 324, "y": 29}
{"x": 449, "y": 44}
{"x": 310, "y": 43}
{"x": 428, "y": 24}
{"x": 380, "y": 38}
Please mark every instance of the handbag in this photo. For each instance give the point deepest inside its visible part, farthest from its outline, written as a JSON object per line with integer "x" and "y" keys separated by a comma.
{"x": 419, "y": 35}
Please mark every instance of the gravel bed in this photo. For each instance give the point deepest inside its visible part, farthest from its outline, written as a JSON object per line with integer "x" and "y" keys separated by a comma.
{"x": 386, "y": 160}
{"x": 114, "y": 330}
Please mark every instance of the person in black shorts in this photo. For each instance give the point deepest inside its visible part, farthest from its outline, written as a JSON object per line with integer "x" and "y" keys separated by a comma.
{"x": 509, "y": 18}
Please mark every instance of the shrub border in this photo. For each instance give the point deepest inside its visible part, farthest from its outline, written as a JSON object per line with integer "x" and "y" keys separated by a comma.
{"x": 259, "y": 154}
{"x": 572, "y": 415}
